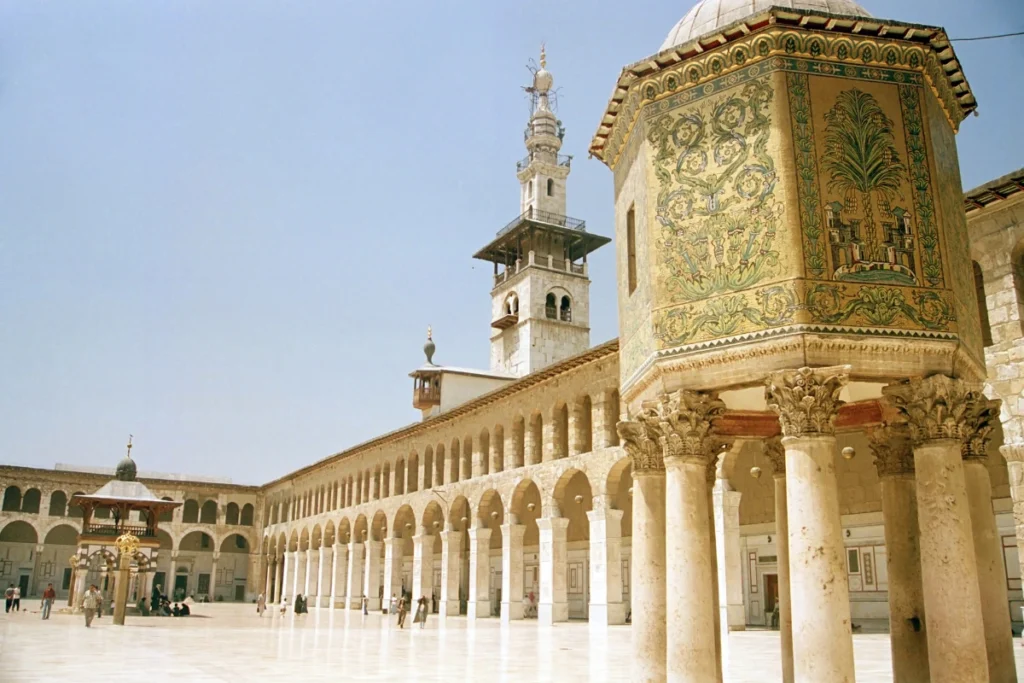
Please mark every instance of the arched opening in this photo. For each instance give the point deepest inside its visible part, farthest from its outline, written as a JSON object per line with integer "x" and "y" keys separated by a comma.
{"x": 231, "y": 514}
{"x": 529, "y": 189}
{"x": 459, "y": 520}
{"x": 467, "y": 458}
{"x": 386, "y": 479}
{"x": 454, "y": 458}
{"x": 208, "y": 513}
{"x": 561, "y": 430}
{"x": 232, "y": 569}
{"x": 62, "y": 534}
{"x": 428, "y": 467}
{"x": 526, "y": 508}
{"x": 12, "y": 499}
{"x": 248, "y": 511}
{"x": 584, "y": 426}
{"x": 498, "y": 450}
{"x": 166, "y": 515}
{"x": 565, "y": 310}
{"x": 75, "y": 511}
{"x": 551, "y": 187}
{"x": 979, "y": 293}
{"x": 535, "y": 440}
{"x": 30, "y": 501}
{"x": 574, "y": 499}
{"x": 516, "y": 457}
{"x": 400, "y": 477}
{"x": 194, "y": 575}
{"x": 490, "y": 515}
{"x": 58, "y": 504}
{"x": 484, "y": 452}
{"x": 414, "y": 468}
{"x": 190, "y": 512}
{"x": 18, "y": 541}
{"x": 439, "y": 465}
{"x": 551, "y": 306}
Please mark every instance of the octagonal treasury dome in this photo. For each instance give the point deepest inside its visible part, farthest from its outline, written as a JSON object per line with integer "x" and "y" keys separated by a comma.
{"x": 709, "y": 15}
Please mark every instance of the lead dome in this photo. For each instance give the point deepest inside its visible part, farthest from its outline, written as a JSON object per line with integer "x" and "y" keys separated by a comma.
{"x": 709, "y": 15}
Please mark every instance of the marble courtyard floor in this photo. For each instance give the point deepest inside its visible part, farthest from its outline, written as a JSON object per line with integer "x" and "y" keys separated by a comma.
{"x": 230, "y": 643}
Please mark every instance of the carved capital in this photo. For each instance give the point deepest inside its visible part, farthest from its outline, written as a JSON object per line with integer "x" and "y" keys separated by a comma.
{"x": 893, "y": 451}
{"x": 640, "y": 441}
{"x": 936, "y": 407}
{"x": 807, "y": 400}
{"x": 686, "y": 422}
{"x": 981, "y": 421}
{"x": 1013, "y": 452}
{"x": 775, "y": 454}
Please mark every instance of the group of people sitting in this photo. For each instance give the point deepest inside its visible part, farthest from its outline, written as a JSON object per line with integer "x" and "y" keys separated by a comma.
{"x": 159, "y": 605}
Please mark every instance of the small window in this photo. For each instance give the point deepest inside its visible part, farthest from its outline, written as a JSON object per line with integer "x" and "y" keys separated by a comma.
{"x": 631, "y": 249}
{"x": 565, "y": 311}
{"x": 529, "y": 189}
{"x": 551, "y": 307}
{"x": 551, "y": 187}
{"x": 853, "y": 558}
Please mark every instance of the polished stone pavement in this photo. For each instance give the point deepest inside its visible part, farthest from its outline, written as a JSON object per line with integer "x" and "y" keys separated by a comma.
{"x": 230, "y": 643}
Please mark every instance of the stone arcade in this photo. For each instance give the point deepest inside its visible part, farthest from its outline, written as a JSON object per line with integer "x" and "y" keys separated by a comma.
{"x": 798, "y": 280}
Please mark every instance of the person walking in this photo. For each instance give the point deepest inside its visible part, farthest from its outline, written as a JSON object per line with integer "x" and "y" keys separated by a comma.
{"x": 421, "y": 612}
{"x": 261, "y": 604}
{"x": 90, "y": 602}
{"x": 49, "y": 595}
{"x": 16, "y": 605}
{"x": 394, "y": 605}
{"x": 99, "y": 603}
{"x": 8, "y": 598}
{"x": 403, "y": 608}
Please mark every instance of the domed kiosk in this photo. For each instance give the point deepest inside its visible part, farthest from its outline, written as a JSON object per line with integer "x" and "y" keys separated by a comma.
{"x": 793, "y": 260}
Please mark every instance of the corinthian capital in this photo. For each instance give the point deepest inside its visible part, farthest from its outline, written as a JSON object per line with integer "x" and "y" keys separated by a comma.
{"x": 685, "y": 423}
{"x": 807, "y": 400}
{"x": 640, "y": 439}
{"x": 982, "y": 420}
{"x": 892, "y": 448}
{"x": 936, "y": 407}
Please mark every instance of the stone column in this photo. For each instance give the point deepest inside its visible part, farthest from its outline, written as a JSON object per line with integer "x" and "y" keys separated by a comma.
{"x": 354, "y": 585}
{"x": 479, "y": 573}
{"x": 212, "y": 592}
{"x": 603, "y": 422}
{"x": 512, "y": 569}
{"x": 324, "y": 575}
{"x": 371, "y": 575}
{"x": 776, "y": 454}
{"x": 717, "y": 608}
{"x": 647, "y": 588}
{"x": 894, "y": 460}
{"x": 479, "y": 456}
{"x": 554, "y": 601}
{"x": 423, "y": 565}
{"x": 270, "y": 583}
{"x": 937, "y": 410}
{"x": 278, "y": 577}
{"x": 339, "y": 585}
{"x": 392, "y": 568}
{"x": 807, "y": 402}
{"x": 606, "y": 605}
{"x": 451, "y": 556}
{"x": 988, "y": 546}
{"x": 730, "y": 555}
{"x": 287, "y": 575}
{"x": 548, "y": 436}
{"x": 298, "y": 568}
{"x": 690, "y": 621}
{"x": 510, "y": 459}
{"x": 532, "y": 449}
{"x": 309, "y": 578}
{"x": 577, "y": 437}
{"x": 1014, "y": 455}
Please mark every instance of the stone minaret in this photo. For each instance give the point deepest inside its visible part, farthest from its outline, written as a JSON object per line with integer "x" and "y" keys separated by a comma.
{"x": 541, "y": 297}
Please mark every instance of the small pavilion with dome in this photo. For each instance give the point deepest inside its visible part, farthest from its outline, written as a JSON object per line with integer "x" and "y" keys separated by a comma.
{"x": 122, "y": 507}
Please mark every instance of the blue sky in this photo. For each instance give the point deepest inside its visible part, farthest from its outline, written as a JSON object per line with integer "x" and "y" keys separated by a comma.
{"x": 225, "y": 226}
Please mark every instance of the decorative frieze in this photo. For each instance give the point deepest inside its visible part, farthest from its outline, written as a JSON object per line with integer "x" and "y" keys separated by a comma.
{"x": 807, "y": 400}
{"x": 936, "y": 407}
{"x": 892, "y": 448}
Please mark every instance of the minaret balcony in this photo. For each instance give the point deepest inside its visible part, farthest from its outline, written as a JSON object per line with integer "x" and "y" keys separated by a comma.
{"x": 426, "y": 397}
{"x": 506, "y": 321}
{"x": 532, "y": 215}
{"x": 563, "y": 160}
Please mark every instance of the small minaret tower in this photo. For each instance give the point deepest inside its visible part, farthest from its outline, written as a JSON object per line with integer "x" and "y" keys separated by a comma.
{"x": 540, "y": 303}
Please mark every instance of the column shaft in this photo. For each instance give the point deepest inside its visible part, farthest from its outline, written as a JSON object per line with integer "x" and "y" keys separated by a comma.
{"x": 512, "y": 571}
{"x": 392, "y": 569}
{"x": 479, "y": 573}
{"x": 785, "y": 605}
{"x": 988, "y": 552}
{"x": 451, "y": 563}
{"x": 690, "y": 620}
{"x": 371, "y": 580}
{"x": 309, "y": 573}
{"x": 554, "y": 600}
{"x": 297, "y": 564}
{"x": 606, "y": 605}
{"x": 324, "y": 574}
{"x": 340, "y": 595}
{"x": 269, "y": 584}
{"x": 354, "y": 585}
{"x": 647, "y": 588}
{"x": 730, "y": 560}
{"x": 716, "y": 604}
{"x": 422, "y": 566}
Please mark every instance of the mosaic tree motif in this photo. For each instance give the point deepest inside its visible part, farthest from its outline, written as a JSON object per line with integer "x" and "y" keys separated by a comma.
{"x": 863, "y": 165}
{"x": 717, "y": 204}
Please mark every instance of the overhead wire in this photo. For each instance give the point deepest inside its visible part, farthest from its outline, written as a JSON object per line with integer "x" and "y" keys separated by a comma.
{"x": 993, "y": 37}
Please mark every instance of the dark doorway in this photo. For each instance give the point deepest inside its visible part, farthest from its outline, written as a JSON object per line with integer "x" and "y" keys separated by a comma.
{"x": 240, "y": 592}
{"x": 771, "y": 599}
{"x": 180, "y": 586}
{"x": 23, "y": 581}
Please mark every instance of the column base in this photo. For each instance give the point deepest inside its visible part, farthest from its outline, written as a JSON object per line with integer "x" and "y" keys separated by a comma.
{"x": 355, "y": 603}
{"x": 479, "y": 610}
{"x": 511, "y": 611}
{"x": 448, "y": 608}
{"x": 552, "y": 613}
{"x": 734, "y": 617}
{"x": 610, "y": 615}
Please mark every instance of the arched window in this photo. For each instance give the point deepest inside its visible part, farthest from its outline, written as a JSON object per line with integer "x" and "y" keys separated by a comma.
{"x": 512, "y": 304}
{"x": 529, "y": 189}
{"x": 551, "y": 307}
{"x": 75, "y": 510}
{"x": 247, "y": 514}
{"x": 551, "y": 187}
{"x": 12, "y": 499}
{"x": 231, "y": 514}
{"x": 58, "y": 504}
{"x": 30, "y": 501}
{"x": 166, "y": 515}
{"x": 190, "y": 513}
{"x": 208, "y": 514}
{"x": 565, "y": 311}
